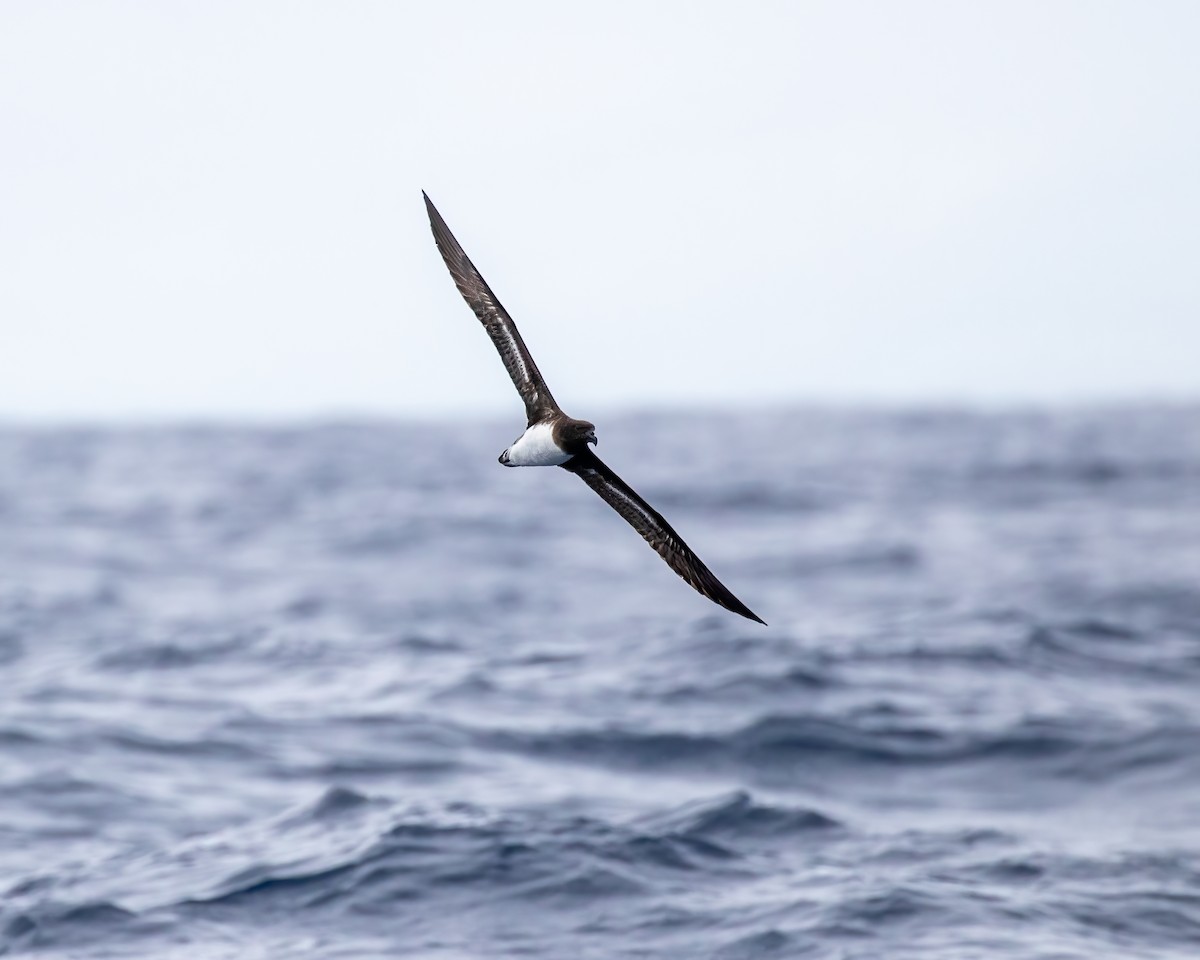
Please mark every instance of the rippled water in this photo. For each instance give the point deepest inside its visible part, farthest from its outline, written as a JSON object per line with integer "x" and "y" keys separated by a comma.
{"x": 358, "y": 691}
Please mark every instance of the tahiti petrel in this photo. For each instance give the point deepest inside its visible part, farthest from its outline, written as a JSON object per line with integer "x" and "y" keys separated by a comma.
{"x": 551, "y": 438}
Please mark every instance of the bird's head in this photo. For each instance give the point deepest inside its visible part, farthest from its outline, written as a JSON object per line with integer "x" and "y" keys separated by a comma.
{"x": 578, "y": 434}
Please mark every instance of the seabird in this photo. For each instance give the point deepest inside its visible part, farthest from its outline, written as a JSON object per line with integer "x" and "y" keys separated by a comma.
{"x": 552, "y": 439}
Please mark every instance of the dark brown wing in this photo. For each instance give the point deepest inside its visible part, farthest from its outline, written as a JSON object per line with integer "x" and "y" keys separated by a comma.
{"x": 495, "y": 319}
{"x": 655, "y": 531}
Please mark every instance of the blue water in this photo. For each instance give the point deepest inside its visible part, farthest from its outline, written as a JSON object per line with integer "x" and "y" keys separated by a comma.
{"x": 357, "y": 691}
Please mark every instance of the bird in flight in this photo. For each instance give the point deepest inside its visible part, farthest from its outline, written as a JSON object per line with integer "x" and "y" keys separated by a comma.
{"x": 551, "y": 438}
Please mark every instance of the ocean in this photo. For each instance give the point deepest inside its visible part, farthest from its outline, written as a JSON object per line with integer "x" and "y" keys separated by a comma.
{"x": 354, "y": 690}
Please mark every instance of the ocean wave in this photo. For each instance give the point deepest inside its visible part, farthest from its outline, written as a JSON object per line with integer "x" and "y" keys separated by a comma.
{"x": 785, "y": 747}
{"x": 1159, "y": 652}
{"x": 531, "y": 856}
{"x": 738, "y": 816}
{"x": 349, "y": 848}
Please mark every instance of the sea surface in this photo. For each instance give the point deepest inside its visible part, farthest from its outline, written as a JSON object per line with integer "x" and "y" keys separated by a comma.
{"x": 354, "y": 690}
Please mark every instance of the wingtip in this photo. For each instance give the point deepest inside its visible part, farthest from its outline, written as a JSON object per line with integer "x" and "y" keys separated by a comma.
{"x": 734, "y": 605}
{"x": 435, "y": 218}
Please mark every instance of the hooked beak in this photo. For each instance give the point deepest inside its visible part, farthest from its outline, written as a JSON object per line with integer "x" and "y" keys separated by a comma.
{"x": 592, "y": 440}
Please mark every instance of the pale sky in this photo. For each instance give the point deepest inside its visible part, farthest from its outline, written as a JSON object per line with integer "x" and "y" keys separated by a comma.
{"x": 214, "y": 209}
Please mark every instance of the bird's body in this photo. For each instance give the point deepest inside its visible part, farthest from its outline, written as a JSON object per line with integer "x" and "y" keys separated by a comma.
{"x": 552, "y": 439}
{"x": 536, "y": 447}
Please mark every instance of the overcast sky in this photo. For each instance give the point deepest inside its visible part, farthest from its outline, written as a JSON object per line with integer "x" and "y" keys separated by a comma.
{"x": 214, "y": 209}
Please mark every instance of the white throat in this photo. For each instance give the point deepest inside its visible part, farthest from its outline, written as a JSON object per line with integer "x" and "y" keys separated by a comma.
{"x": 535, "y": 448}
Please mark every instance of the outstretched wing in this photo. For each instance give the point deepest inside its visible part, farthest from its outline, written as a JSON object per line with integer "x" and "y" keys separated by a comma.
{"x": 654, "y": 530}
{"x": 495, "y": 319}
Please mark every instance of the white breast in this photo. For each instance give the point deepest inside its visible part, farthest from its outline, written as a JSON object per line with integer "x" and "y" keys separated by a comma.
{"x": 536, "y": 448}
